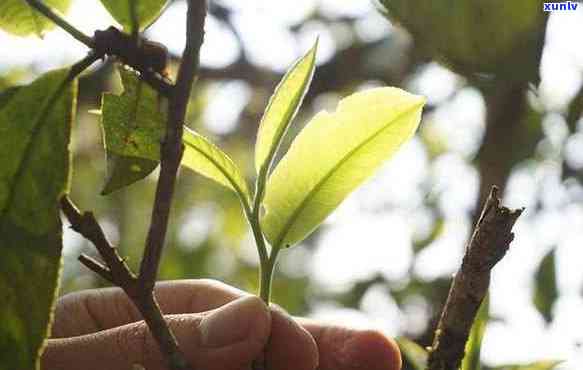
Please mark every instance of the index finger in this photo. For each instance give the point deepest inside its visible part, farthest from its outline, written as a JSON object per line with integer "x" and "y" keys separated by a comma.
{"x": 90, "y": 311}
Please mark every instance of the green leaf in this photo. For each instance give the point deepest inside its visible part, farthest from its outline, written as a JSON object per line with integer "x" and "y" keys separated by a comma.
{"x": 35, "y": 125}
{"x": 147, "y": 11}
{"x": 413, "y": 353}
{"x": 133, "y": 128}
{"x": 125, "y": 170}
{"x": 546, "y": 291}
{"x": 18, "y": 18}
{"x": 202, "y": 156}
{"x": 471, "y": 360}
{"x": 332, "y": 155}
{"x": 283, "y": 106}
{"x": 539, "y": 365}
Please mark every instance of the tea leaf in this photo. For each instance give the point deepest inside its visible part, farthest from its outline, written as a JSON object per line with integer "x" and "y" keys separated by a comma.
{"x": 471, "y": 359}
{"x": 332, "y": 155}
{"x": 282, "y": 108}
{"x": 147, "y": 11}
{"x": 20, "y": 19}
{"x": 35, "y": 126}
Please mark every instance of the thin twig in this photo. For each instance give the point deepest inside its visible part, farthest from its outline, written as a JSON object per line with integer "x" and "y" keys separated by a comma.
{"x": 488, "y": 245}
{"x": 157, "y": 82}
{"x": 171, "y": 149}
{"x": 118, "y": 273}
{"x": 115, "y": 269}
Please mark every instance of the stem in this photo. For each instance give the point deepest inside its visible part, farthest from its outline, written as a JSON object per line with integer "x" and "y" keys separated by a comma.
{"x": 61, "y": 22}
{"x": 172, "y": 148}
{"x": 267, "y": 275}
{"x": 150, "y": 310}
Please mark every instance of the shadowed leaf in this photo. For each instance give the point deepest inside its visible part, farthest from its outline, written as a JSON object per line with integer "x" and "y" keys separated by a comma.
{"x": 132, "y": 128}
{"x": 545, "y": 291}
{"x": 35, "y": 124}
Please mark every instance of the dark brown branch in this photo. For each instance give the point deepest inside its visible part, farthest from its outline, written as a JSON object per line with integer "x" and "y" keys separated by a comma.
{"x": 171, "y": 148}
{"x": 489, "y": 243}
{"x": 118, "y": 273}
{"x": 97, "y": 267}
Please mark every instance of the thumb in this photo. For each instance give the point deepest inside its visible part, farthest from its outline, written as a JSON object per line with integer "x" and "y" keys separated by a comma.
{"x": 227, "y": 338}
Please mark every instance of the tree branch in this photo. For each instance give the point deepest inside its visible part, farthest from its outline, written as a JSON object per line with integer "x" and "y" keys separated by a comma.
{"x": 118, "y": 273}
{"x": 488, "y": 245}
{"x": 171, "y": 149}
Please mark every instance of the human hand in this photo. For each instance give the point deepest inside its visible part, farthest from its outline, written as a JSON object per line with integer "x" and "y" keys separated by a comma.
{"x": 218, "y": 328}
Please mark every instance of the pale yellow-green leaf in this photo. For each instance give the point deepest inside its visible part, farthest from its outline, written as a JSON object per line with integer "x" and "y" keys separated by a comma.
{"x": 471, "y": 360}
{"x": 147, "y": 11}
{"x": 332, "y": 155}
{"x": 413, "y": 353}
{"x": 203, "y": 157}
{"x": 19, "y": 18}
{"x": 539, "y": 365}
{"x": 282, "y": 107}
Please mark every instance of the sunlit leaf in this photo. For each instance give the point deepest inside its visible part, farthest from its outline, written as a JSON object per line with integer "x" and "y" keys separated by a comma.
{"x": 332, "y": 155}
{"x": 35, "y": 124}
{"x": 539, "y": 365}
{"x": 545, "y": 291}
{"x": 413, "y": 353}
{"x": 471, "y": 359}
{"x": 133, "y": 128}
{"x": 202, "y": 156}
{"x": 282, "y": 108}
{"x": 18, "y": 18}
{"x": 147, "y": 11}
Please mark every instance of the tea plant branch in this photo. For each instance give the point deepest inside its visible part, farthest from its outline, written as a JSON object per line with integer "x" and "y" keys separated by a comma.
{"x": 115, "y": 269}
{"x": 487, "y": 246}
{"x": 151, "y": 78}
{"x": 172, "y": 148}
{"x": 118, "y": 273}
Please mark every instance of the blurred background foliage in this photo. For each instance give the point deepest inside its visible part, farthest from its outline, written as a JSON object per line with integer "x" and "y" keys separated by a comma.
{"x": 505, "y": 98}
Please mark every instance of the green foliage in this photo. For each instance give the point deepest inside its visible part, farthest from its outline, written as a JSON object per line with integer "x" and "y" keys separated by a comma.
{"x": 18, "y": 18}
{"x": 539, "y": 365}
{"x": 467, "y": 35}
{"x": 35, "y": 124}
{"x": 147, "y": 11}
{"x": 332, "y": 155}
{"x": 133, "y": 128}
{"x": 471, "y": 359}
{"x": 202, "y": 156}
{"x": 546, "y": 291}
{"x": 413, "y": 353}
{"x": 282, "y": 108}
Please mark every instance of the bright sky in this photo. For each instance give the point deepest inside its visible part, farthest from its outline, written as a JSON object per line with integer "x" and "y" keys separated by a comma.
{"x": 360, "y": 240}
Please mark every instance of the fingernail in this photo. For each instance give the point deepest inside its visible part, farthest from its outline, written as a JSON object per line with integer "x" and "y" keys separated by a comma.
{"x": 231, "y": 323}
